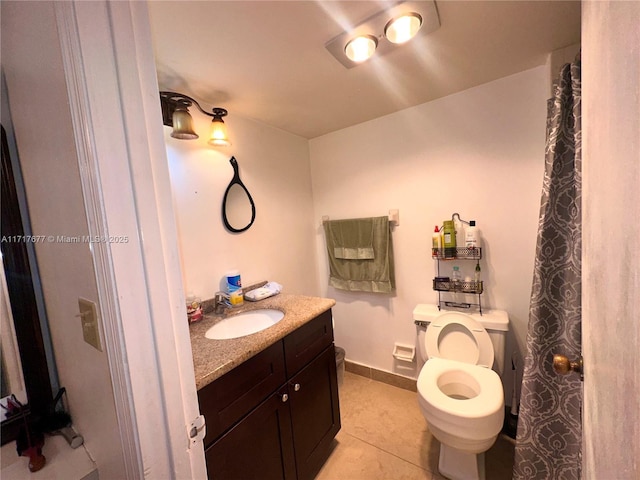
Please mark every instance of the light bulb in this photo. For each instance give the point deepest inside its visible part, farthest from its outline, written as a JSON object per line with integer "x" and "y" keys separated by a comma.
{"x": 218, "y": 134}
{"x": 404, "y": 28}
{"x": 360, "y": 48}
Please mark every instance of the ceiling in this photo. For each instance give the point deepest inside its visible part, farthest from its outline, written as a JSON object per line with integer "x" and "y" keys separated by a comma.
{"x": 266, "y": 60}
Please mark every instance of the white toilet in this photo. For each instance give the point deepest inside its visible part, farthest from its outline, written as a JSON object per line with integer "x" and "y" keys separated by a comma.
{"x": 459, "y": 388}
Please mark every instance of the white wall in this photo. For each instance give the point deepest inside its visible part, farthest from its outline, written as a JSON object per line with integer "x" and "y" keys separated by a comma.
{"x": 480, "y": 153}
{"x": 274, "y": 166}
{"x": 32, "y": 63}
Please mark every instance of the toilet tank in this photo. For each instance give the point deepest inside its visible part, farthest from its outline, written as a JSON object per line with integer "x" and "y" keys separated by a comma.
{"x": 495, "y": 322}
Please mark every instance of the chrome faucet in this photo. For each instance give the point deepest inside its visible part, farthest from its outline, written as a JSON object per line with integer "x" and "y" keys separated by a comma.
{"x": 221, "y": 303}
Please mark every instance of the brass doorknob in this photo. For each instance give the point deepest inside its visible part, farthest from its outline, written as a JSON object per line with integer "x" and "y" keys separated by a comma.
{"x": 562, "y": 365}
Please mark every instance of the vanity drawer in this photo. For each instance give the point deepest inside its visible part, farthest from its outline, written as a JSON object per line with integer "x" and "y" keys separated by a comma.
{"x": 305, "y": 343}
{"x": 226, "y": 400}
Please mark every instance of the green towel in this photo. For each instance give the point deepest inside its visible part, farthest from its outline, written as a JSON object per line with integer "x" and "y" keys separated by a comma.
{"x": 360, "y": 253}
{"x": 352, "y": 239}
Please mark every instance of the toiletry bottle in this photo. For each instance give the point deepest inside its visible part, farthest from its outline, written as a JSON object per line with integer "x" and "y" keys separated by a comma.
{"x": 477, "y": 277}
{"x": 472, "y": 236}
{"x": 449, "y": 239}
{"x": 234, "y": 288}
{"x": 456, "y": 278}
{"x": 437, "y": 242}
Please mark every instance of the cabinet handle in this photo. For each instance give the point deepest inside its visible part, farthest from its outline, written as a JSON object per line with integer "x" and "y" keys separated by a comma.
{"x": 296, "y": 387}
{"x": 284, "y": 397}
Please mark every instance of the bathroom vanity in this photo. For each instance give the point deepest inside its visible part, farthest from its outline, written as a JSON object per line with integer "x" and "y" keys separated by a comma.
{"x": 271, "y": 405}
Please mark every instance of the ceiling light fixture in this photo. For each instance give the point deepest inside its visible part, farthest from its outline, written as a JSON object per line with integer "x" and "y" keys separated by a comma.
{"x": 175, "y": 114}
{"x": 384, "y": 31}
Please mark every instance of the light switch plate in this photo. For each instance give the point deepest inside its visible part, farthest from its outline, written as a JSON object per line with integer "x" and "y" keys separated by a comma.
{"x": 90, "y": 323}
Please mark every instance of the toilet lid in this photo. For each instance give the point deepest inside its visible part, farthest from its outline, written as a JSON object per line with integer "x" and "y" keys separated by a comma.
{"x": 456, "y": 336}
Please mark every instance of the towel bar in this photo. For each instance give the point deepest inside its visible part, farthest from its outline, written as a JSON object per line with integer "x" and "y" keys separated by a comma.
{"x": 394, "y": 218}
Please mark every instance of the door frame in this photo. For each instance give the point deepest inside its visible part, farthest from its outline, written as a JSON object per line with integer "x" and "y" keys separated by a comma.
{"x": 113, "y": 95}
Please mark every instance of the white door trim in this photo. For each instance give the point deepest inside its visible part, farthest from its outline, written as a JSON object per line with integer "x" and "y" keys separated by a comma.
{"x": 101, "y": 253}
{"x": 113, "y": 94}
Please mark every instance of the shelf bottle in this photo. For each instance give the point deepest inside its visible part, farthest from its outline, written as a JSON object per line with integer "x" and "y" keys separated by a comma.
{"x": 456, "y": 278}
{"x": 449, "y": 239}
{"x": 436, "y": 241}
{"x": 472, "y": 236}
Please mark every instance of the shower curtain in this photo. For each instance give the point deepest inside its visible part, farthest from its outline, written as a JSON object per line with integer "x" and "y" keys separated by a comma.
{"x": 548, "y": 442}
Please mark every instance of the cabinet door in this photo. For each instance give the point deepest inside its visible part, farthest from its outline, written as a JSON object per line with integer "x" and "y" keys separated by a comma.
{"x": 315, "y": 412}
{"x": 227, "y": 399}
{"x": 260, "y": 447}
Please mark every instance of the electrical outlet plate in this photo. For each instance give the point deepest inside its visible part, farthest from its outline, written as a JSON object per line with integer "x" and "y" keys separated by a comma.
{"x": 90, "y": 324}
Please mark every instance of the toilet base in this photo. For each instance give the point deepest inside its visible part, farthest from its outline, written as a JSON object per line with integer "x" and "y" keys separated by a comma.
{"x": 458, "y": 465}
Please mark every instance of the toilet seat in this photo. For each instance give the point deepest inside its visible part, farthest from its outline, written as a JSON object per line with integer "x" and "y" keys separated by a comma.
{"x": 456, "y": 336}
{"x": 487, "y": 400}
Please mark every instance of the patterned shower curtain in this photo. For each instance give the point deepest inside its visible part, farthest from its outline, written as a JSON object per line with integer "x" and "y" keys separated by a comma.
{"x": 548, "y": 442}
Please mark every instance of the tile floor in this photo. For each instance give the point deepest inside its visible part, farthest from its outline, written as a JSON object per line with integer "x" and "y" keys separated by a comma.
{"x": 384, "y": 436}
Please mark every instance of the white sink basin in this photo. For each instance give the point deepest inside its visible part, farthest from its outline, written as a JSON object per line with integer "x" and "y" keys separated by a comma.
{"x": 244, "y": 324}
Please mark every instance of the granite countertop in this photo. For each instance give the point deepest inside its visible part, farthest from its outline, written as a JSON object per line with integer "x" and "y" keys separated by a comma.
{"x": 214, "y": 358}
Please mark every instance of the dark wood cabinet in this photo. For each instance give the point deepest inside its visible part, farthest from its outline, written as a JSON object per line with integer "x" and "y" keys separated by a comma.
{"x": 315, "y": 412}
{"x": 275, "y": 416}
{"x": 258, "y": 447}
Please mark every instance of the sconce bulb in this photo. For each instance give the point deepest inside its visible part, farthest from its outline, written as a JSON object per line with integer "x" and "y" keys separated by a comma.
{"x": 218, "y": 135}
{"x": 183, "y": 124}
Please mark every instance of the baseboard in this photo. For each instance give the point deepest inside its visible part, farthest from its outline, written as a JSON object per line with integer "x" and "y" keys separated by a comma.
{"x": 381, "y": 376}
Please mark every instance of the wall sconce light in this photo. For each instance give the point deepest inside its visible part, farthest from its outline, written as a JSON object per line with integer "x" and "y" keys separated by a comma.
{"x": 382, "y": 32}
{"x": 175, "y": 114}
